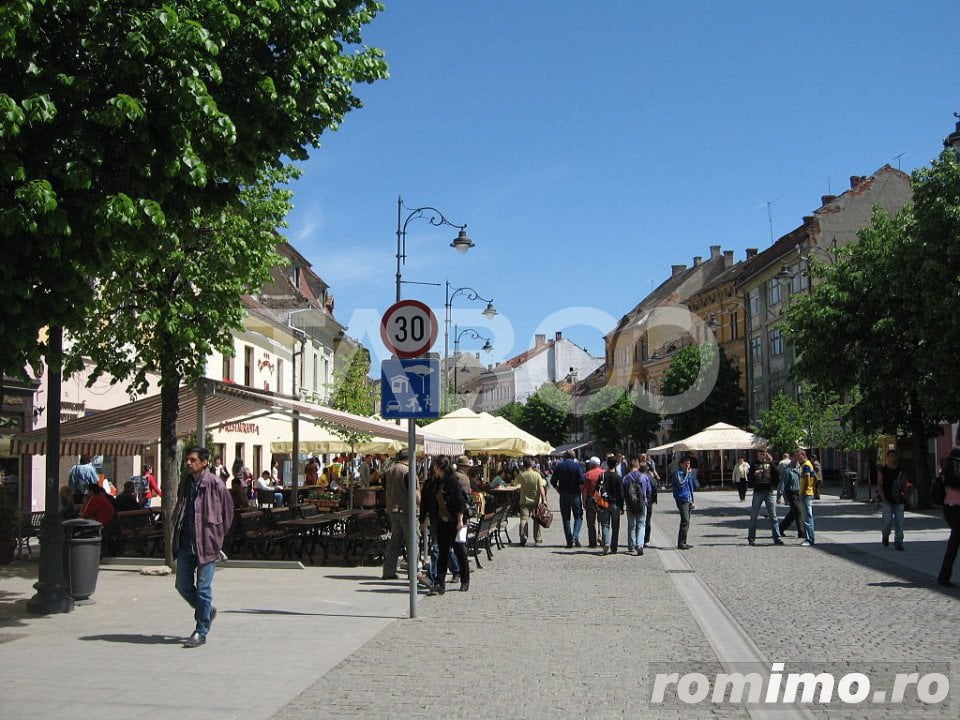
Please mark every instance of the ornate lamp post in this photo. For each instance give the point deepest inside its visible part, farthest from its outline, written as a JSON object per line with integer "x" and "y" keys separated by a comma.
{"x": 461, "y": 243}
{"x": 458, "y": 333}
{"x": 489, "y": 312}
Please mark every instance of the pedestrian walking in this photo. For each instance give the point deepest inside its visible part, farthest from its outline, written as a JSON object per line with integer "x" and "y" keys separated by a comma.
{"x": 654, "y": 489}
{"x": 790, "y": 492}
{"x": 568, "y": 481}
{"x": 202, "y": 518}
{"x": 451, "y": 506}
{"x": 893, "y": 494}
{"x": 533, "y": 491}
{"x": 610, "y": 486}
{"x": 684, "y": 485}
{"x": 764, "y": 479}
{"x": 396, "y": 494}
{"x": 808, "y": 491}
{"x": 636, "y": 496}
{"x": 741, "y": 472}
{"x": 591, "y": 478}
{"x": 951, "y": 513}
{"x": 430, "y": 516}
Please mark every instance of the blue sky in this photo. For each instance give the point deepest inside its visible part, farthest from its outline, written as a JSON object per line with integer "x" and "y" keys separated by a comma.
{"x": 590, "y": 146}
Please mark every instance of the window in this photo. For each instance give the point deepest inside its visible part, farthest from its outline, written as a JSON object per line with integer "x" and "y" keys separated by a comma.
{"x": 227, "y": 368}
{"x": 799, "y": 282}
{"x": 316, "y": 369}
{"x": 248, "y": 365}
{"x": 755, "y": 302}
{"x": 776, "y": 342}
{"x": 280, "y": 376}
{"x": 774, "y": 292}
{"x": 756, "y": 349}
{"x": 734, "y": 324}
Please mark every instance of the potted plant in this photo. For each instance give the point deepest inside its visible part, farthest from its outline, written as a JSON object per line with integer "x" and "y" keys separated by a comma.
{"x": 9, "y": 526}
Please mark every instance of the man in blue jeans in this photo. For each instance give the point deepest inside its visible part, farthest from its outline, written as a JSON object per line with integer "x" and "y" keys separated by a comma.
{"x": 202, "y": 518}
{"x": 684, "y": 485}
{"x": 765, "y": 481}
{"x": 568, "y": 480}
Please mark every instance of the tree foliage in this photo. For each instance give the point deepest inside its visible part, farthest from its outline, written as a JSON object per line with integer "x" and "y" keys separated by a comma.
{"x": 882, "y": 319}
{"x": 618, "y": 418}
{"x": 723, "y": 403}
{"x": 121, "y": 120}
{"x": 812, "y": 421}
{"x": 353, "y": 393}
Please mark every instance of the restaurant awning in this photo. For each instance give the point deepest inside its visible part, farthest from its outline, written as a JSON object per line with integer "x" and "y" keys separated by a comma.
{"x": 130, "y": 429}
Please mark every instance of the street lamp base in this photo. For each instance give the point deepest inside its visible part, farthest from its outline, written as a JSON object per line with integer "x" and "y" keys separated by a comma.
{"x": 51, "y": 598}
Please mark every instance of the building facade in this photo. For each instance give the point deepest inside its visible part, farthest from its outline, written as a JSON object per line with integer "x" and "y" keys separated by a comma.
{"x": 769, "y": 279}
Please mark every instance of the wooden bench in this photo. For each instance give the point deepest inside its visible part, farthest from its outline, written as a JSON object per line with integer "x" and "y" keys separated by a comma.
{"x": 139, "y": 527}
{"x": 480, "y": 534}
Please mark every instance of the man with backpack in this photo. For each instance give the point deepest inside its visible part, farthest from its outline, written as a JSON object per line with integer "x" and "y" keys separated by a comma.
{"x": 636, "y": 498}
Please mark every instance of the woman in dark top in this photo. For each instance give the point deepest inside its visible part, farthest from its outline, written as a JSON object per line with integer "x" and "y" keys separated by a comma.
{"x": 610, "y": 486}
{"x": 450, "y": 508}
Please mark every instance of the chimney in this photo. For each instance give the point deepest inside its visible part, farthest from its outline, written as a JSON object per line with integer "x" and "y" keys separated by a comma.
{"x": 856, "y": 180}
{"x": 825, "y": 199}
{"x": 677, "y": 269}
{"x": 714, "y": 252}
{"x": 727, "y": 259}
{"x": 751, "y": 252}
{"x": 697, "y": 259}
{"x": 540, "y": 340}
{"x": 558, "y": 336}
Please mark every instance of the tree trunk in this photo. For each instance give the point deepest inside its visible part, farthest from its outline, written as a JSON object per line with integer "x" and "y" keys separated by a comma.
{"x": 918, "y": 441}
{"x": 169, "y": 409}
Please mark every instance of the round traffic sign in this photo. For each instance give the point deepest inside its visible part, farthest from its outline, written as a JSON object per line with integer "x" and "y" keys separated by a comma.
{"x": 409, "y": 328}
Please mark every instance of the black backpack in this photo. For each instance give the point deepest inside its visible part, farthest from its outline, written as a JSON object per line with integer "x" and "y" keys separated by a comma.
{"x": 634, "y": 497}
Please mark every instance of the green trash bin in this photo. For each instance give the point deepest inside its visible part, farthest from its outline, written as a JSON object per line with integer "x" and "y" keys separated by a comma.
{"x": 82, "y": 539}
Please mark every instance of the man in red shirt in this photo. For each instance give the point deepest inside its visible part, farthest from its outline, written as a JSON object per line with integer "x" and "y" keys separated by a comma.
{"x": 593, "y": 474}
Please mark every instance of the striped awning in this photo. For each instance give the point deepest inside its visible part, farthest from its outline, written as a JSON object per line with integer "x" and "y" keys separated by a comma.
{"x": 130, "y": 429}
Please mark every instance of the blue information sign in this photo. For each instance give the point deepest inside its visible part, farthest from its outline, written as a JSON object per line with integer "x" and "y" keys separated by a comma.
{"x": 410, "y": 388}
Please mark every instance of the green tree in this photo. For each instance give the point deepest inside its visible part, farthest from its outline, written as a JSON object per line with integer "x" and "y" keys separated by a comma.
{"x": 546, "y": 414}
{"x": 723, "y": 403}
{"x": 165, "y": 313}
{"x": 120, "y": 119}
{"x": 170, "y": 116}
{"x": 618, "y": 418}
{"x": 813, "y": 421}
{"x": 869, "y": 310}
{"x": 353, "y": 393}
{"x": 512, "y": 412}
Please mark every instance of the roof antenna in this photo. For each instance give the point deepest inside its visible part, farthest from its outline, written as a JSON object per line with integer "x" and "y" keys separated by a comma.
{"x": 768, "y": 204}
{"x": 897, "y": 158}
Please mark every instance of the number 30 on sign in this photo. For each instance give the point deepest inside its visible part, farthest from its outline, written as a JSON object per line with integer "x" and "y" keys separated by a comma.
{"x": 409, "y": 328}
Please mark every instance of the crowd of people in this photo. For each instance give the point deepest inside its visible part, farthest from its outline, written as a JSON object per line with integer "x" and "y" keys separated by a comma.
{"x": 450, "y": 493}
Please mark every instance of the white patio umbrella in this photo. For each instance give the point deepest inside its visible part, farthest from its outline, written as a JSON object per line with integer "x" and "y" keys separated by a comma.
{"x": 721, "y": 436}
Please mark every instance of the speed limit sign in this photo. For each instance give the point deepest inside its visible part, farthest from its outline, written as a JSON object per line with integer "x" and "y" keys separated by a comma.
{"x": 409, "y": 328}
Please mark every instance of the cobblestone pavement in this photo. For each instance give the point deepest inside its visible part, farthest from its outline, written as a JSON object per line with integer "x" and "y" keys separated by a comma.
{"x": 556, "y": 633}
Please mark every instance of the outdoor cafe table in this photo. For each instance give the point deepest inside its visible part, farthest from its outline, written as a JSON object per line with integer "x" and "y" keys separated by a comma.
{"x": 308, "y": 528}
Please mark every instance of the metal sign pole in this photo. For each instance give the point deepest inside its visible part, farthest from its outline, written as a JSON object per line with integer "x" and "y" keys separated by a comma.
{"x": 412, "y": 544}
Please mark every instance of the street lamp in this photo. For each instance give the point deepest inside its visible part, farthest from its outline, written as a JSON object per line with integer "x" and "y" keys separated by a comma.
{"x": 489, "y": 313}
{"x": 487, "y": 347}
{"x": 461, "y": 243}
